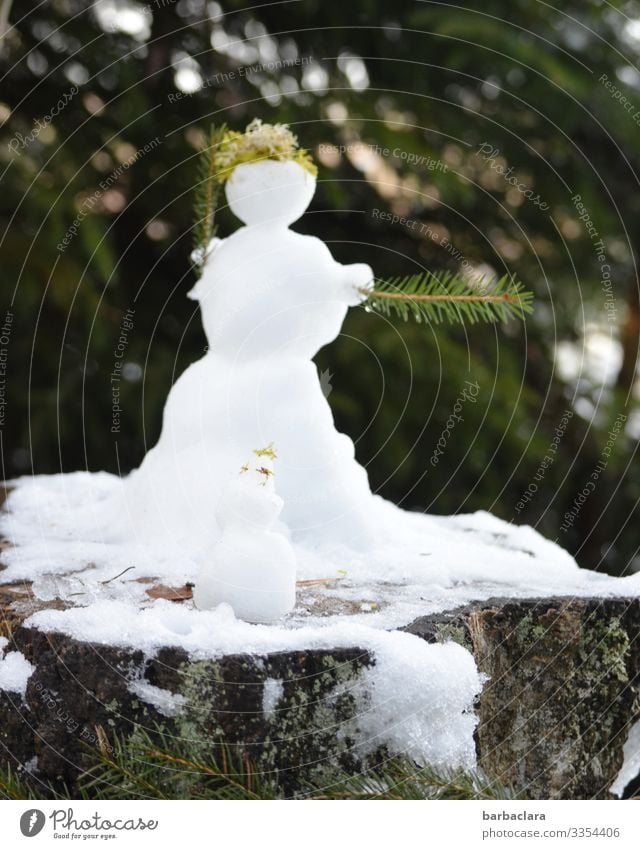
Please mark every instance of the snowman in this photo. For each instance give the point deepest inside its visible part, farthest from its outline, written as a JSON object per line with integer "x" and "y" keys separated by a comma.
{"x": 270, "y": 298}
{"x": 252, "y": 568}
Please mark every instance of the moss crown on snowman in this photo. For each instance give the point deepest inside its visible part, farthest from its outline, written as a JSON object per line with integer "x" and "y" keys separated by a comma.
{"x": 259, "y": 142}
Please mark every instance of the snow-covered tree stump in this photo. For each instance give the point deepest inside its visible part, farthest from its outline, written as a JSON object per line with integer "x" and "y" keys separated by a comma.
{"x": 554, "y": 715}
{"x": 562, "y": 693}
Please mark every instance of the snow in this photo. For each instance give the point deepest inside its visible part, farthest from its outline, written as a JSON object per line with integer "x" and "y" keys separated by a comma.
{"x": 273, "y": 692}
{"x": 426, "y": 564}
{"x": 416, "y": 698}
{"x": 164, "y": 701}
{"x": 419, "y": 701}
{"x": 15, "y": 671}
{"x": 31, "y": 766}
{"x": 270, "y": 299}
{"x": 252, "y": 567}
{"x": 630, "y": 768}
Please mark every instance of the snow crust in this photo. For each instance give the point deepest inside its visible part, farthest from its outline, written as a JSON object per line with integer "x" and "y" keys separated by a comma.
{"x": 424, "y": 564}
{"x": 418, "y": 701}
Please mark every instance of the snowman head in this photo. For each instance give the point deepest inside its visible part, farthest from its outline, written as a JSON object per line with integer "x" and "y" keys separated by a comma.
{"x": 269, "y": 179}
{"x": 249, "y": 502}
{"x": 270, "y": 192}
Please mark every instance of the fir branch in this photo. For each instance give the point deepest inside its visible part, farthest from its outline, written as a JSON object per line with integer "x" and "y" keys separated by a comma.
{"x": 160, "y": 765}
{"x": 13, "y": 787}
{"x": 207, "y": 194}
{"x": 19, "y": 784}
{"x": 402, "y": 778}
{"x": 167, "y": 767}
{"x": 442, "y": 296}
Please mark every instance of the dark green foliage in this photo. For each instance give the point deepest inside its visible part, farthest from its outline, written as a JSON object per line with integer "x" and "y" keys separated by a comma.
{"x": 401, "y": 778}
{"x": 13, "y": 786}
{"x": 165, "y": 767}
{"x": 443, "y": 296}
{"x": 522, "y": 78}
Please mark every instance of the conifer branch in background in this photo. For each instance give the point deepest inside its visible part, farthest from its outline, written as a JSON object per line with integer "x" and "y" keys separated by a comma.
{"x": 207, "y": 194}
{"x": 436, "y": 297}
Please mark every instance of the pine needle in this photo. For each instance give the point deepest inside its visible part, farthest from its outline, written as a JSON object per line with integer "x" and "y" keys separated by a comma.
{"x": 401, "y": 778}
{"x": 164, "y": 766}
{"x": 12, "y": 787}
{"x": 207, "y": 195}
{"x": 168, "y": 767}
{"x": 436, "y": 297}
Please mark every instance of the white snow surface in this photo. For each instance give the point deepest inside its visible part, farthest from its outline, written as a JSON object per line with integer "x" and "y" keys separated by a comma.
{"x": 631, "y": 764}
{"x": 271, "y": 695}
{"x": 418, "y": 701}
{"x": 424, "y": 564}
{"x": 416, "y": 698}
{"x": 15, "y": 671}
{"x": 164, "y": 701}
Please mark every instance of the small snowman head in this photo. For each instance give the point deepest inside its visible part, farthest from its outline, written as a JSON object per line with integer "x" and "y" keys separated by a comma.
{"x": 269, "y": 179}
{"x": 250, "y": 500}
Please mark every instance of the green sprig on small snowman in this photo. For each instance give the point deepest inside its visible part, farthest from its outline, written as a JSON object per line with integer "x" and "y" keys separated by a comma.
{"x": 266, "y": 472}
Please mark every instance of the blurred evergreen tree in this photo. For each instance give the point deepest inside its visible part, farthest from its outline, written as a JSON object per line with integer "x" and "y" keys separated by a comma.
{"x": 433, "y": 103}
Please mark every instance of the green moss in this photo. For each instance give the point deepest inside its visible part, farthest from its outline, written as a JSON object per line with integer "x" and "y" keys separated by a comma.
{"x": 523, "y": 630}
{"x": 532, "y": 634}
{"x": 259, "y": 142}
{"x": 603, "y": 649}
{"x": 448, "y": 632}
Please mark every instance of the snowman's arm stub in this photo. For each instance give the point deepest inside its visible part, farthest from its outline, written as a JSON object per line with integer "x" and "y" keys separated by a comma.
{"x": 355, "y": 277}
{"x": 197, "y": 258}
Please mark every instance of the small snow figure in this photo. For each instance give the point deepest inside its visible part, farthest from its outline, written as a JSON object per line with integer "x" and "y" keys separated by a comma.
{"x": 253, "y": 567}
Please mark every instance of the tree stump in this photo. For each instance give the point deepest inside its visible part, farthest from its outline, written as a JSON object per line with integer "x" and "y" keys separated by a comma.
{"x": 554, "y": 714}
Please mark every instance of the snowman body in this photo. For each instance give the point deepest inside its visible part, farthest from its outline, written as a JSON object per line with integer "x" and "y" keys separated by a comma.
{"x": 270, "y": 298}
{"x": 252, "y": 568}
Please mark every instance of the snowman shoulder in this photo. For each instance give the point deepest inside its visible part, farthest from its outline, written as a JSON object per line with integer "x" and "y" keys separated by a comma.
{"x": 309, "y": 249}
{"x": 270, "y": 246}
{"x": 213, "y": 250}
